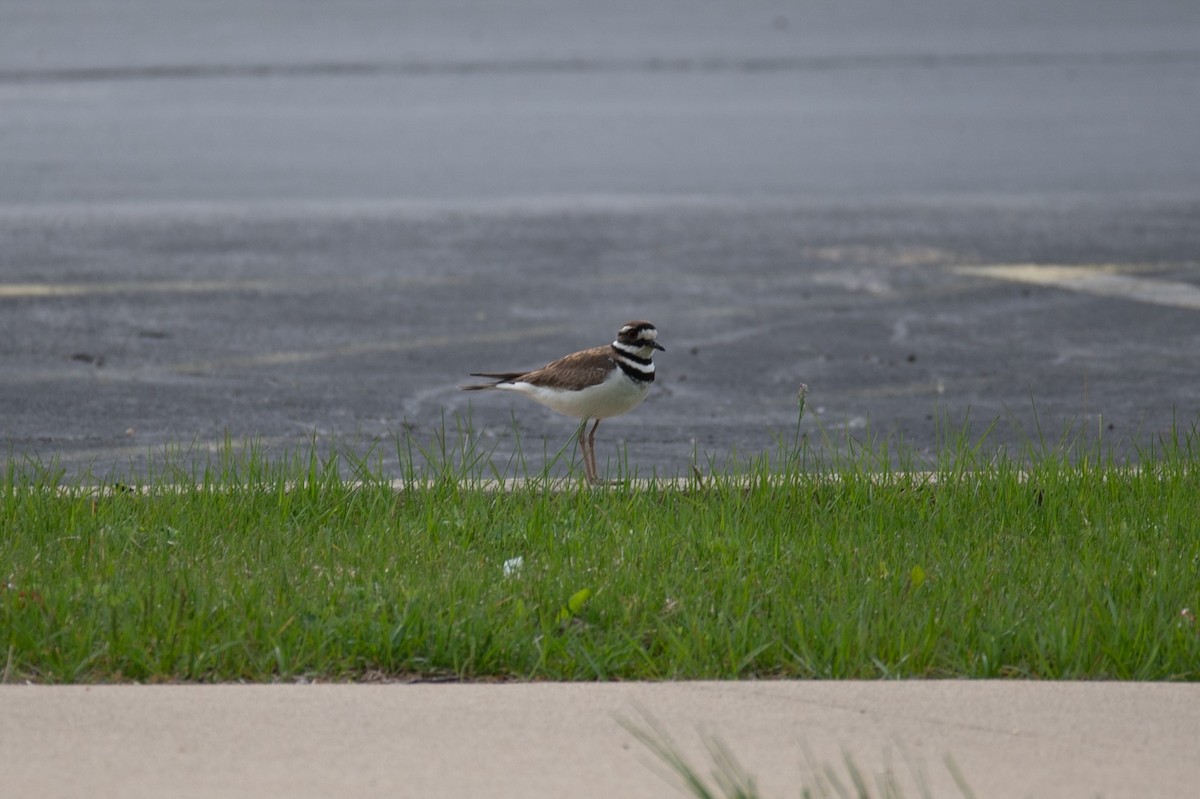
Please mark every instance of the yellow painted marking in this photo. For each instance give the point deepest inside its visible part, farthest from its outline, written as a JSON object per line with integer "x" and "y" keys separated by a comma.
{"x": 866, "y": 254}
{"x": 13, "y": 290}
{"x": 937, "y": 387}
{"x": 298, "y": 283}
{"x": 1102, "y": 280}
{"x": 350, "y": 350}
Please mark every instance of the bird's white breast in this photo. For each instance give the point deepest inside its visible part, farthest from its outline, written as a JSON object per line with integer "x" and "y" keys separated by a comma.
{"x": 618, "y": 394}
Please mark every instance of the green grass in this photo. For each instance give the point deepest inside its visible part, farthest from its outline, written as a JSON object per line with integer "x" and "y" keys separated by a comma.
{"x": 1054, "y": 564}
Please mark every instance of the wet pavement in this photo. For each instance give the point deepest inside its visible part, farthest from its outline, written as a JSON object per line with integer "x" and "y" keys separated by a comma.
{"x": 352, "y": 326}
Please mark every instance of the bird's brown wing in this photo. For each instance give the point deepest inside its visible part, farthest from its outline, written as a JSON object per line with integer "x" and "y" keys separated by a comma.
{"x": 576, "y": 370}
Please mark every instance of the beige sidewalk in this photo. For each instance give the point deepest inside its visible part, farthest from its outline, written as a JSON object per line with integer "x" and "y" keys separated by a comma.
{"x": 1010, "y": 739}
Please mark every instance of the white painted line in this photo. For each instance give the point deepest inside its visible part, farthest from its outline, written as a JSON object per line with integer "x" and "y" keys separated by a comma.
{"x": 563, "y": 483}
{"x": 1102, "y": 280}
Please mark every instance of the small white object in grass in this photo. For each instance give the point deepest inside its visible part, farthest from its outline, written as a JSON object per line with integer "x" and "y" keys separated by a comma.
{"x": 513, "y": 565}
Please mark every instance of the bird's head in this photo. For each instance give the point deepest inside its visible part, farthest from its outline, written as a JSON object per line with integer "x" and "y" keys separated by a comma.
{"x": 641, "y": 336}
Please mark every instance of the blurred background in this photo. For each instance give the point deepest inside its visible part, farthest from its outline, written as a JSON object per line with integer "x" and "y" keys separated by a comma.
{"x": 300, "y": 220}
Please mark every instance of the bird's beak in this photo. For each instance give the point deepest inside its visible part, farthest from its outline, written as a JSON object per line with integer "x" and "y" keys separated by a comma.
{"x": 657, "y": 346}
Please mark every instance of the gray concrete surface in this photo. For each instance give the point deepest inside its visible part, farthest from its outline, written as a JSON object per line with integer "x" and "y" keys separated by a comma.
{"x": 1009, "y": 739}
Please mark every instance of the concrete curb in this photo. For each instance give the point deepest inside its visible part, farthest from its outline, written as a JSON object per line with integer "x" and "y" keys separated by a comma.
{"x": 1009, "y": 739}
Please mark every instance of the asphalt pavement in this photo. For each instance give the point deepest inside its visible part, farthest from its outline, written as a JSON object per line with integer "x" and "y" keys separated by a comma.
{"x": 130, "y": 332}
{"x": 233, "y": 220}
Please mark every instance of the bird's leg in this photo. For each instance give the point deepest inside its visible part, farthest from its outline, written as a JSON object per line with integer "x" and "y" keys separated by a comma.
{"x": 592, "y": 451}
{"x": 584, "y": 452}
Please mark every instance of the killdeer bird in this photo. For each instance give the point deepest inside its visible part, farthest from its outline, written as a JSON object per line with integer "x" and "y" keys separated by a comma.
{"x": 592, "y": 384}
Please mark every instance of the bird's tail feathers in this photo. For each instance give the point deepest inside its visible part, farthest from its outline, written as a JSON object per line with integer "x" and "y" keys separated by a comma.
{"x": 498, "y": 377}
